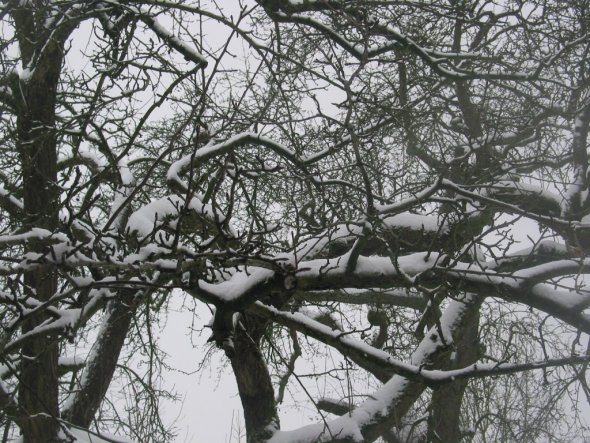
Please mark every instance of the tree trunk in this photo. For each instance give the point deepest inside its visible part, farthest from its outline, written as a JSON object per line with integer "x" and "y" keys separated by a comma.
{"x": 38, "y": 378}
{"x": 445, "y": 415}
{"x": 38, "y": 381}
{"x": 101, "y": 364}
{"x": 253, "y": 379}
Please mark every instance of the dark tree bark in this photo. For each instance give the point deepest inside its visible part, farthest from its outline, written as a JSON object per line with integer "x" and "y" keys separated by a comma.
{"x": 38, "y": 389}
{"x": 253, "y": 379}
{"x": 445, "y": 415}
{"x": 42, "y": 57}
{"x": 101, "y": 365}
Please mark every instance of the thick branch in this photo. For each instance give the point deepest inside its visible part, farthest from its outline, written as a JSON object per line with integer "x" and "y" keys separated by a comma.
{"x": 100, "y": 366}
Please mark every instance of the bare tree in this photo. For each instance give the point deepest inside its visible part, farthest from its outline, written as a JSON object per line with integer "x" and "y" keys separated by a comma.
{"x": 328, "y": 175}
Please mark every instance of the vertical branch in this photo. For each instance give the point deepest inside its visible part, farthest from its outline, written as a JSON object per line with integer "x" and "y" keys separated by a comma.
{"x": 253, "y": 379}
{"x": 101, "y": 364}
{"x": 36, "y": 144}
{"x": 579, "y": 162}
{"x": 445, "y": 405}
{"x": 445, "y": 414}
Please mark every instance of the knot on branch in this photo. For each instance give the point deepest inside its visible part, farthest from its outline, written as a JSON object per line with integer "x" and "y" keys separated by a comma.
{"x": 223, "y": 330}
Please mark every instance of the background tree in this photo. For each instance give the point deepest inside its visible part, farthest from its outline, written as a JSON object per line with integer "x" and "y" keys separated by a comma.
{"x": 328, "y": 175}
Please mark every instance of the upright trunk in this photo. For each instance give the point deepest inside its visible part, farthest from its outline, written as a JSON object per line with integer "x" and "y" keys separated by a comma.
{"x": 253, "y": 379}
{"x": 38, "y": 380}
{"x": 444, "y": 422}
